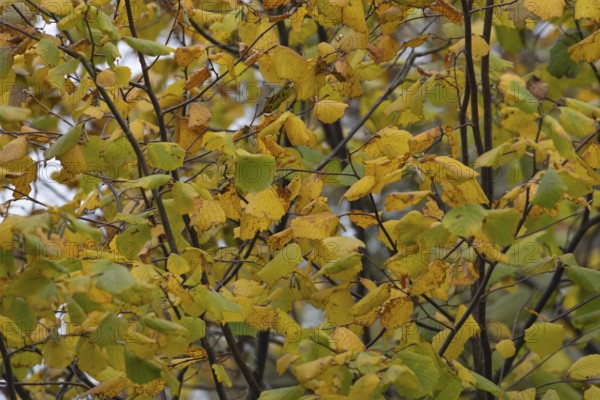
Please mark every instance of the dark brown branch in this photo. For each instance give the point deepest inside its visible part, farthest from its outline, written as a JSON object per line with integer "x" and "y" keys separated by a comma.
{"x": 8, "y": 374}
{"x": 253, "y": 386}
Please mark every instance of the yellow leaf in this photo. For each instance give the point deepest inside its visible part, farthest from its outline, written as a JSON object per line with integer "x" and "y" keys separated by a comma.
{"x": 433, "y": 282}
{"x": 364, "y": 220}
{"x": 198, "y": 115}
{"x": 457, "y": 345}
{"x": 248, "y": 288}
{"x": 397, "y": 312}
{"x": 360, "y": 188}
{"x": 329, "y": 111}
{"x": 443, "y": 168}
{"x": 544, "y": 338}
{"x": 446, "y": 9}
{"x": 390, "y": 142}
{"x": 463, "y": 193}
{"x": 519, "y": 122}
{"x": 286, "y": 325}
{"x": 110, "y": 388}
{"x": 197, "y": 78}
{"x": 226, "y": 60}
{"x": 315, "y": 226}
{"x": 372, "y": 300}
{"x": 298, "y": 133}
{"x": 585, "y": 368}
{"x": 400, "y": 201}
{"x": 423, "y": 140}
{"x": 384, "y": 49}
{"x": 207, "y": 214}
{"x": 528, "y": 394}
{"x": 589, "y": 9}
{"x": 284, "y": 362}
{"x": 184, "y": 56}
{"x": 545, "y": 9}
{"x": 588, "y": 49}
{"x": 222, "y": 374}
{"x": 57, "y": 353}
{"x": 593, "y": 393}
{"x": 591, "y": 155}
{"x": 332, "y": 248}
{"x": 106, "y": 79}
{"x": 551, "y": 394}
{"x": 353, "y": 16}
{"x": 346, "y": 340}
{"x": 364, "y": 387}
{"x": 479, "y": 47}
{"x": 13, "y": 150}
{"x": 261, "y": 318}
{"x": 506, "y": 348}
{"x": 264, "y": 204}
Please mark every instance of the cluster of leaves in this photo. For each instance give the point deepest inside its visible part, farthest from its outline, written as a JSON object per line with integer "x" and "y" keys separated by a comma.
{"x": 324, "y": 199}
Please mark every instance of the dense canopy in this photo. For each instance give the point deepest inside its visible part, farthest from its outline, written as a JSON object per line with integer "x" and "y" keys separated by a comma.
{"x": 285, "y": 199}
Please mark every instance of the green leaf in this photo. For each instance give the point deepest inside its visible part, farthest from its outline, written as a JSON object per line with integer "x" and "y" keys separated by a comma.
{"x": 500, "y": 225}
{"x": 148, "y": 47}
{"x": 550, "y": 189}
{"x": 141, "y": 371}
{"x": 214, "y": 302}
{"x": 6, "y": 61}
{"x": 177, "y": 264}
{"x": 464, "y": 221}
{"x": 14, "y": 114}
{"x": 131, "y": 242}
{"x": 523, "y": 98}
{"x": 83, "y": 228}
{"x": 163, "y": 326}
{"x": 560, "y": 63}
{"x": 65, "y": 143}
{"x": 286, "y": 393}
{"x": 110, "y": 330}
{"x": 488, "y": 386}
{"x": 105, "y": 23}
{"x": 254, "y": 172}
{"x": 585, "y": 108}
{"x": 57, "y": 353}
{"x": 49, "y": 52}
{"x": 165, "y": 156}
{"x": 424, "y": 368}
{"x": 282, "y": 265}
{"x": 148, "y": 182}
{"x": 560, "y": 138}
{"x": 242, "y": 329}
{"x": 340, "y": 264}
{"x": 587, "y": 278}
{"x": 183, "y": 197}
{"x": 114, "y": 278}
{"x": 195, "y": 328}
{"x": 499, "y": 64}
{"x": 576, "y": 123}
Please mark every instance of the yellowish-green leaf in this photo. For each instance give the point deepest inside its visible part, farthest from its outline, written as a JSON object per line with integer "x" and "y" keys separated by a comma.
{"x": 148, "y": 47}
{"x": 222, "y": 375}
{"x": 544, "y": 338}
{"x": 585, "y": 368}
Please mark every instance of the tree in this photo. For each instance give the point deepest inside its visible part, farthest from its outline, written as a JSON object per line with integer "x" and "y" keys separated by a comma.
{"x": 285, "y": 199}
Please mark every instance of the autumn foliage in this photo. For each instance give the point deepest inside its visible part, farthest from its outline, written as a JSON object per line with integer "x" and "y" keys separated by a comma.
{"x": 285, "y": 199}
